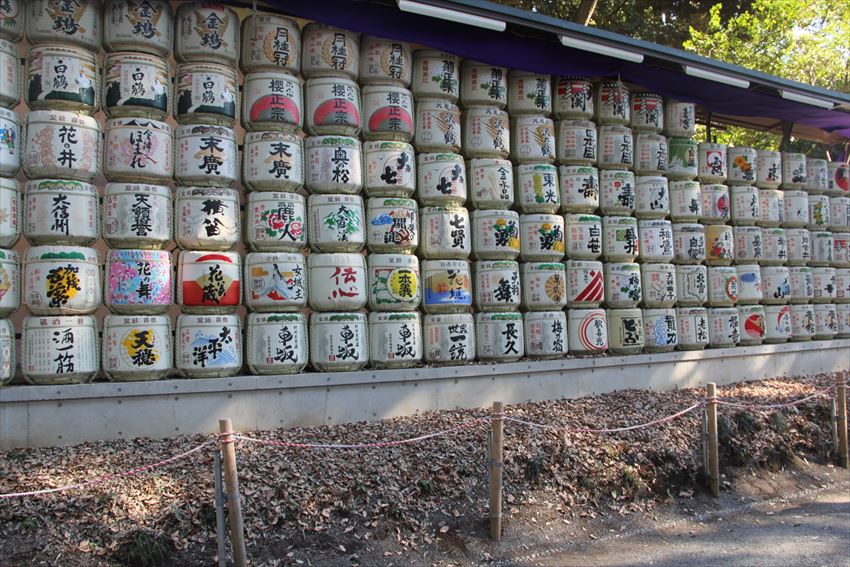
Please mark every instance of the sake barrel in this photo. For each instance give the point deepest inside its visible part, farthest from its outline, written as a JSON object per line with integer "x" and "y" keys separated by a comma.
{"x": 839, "y": 213}
{"x": 842, "y": 285}
{"x": 60, "y": 212}
{"x": 842, "y": 313}
{"x": 579, "y": 187}
{"x": 716, "y": 207}
{"x": 390, "y": 169}
{"x": 679, "y": 118}
{"x": 441, "y": 179}
{"x": 622, "y": 285}
{"x": 10, "y": 283}
{"x": 768, "y": 169}
{"x": 60, "y": 144}
{"x": 276, "y": 343}
{"x": 823, "y": 247}
{"x": 496, "y": 234}
{"x": 446, "y": 286}
{"x": 486, "y": 133}
{"x": 656, "y": 240}
{"x": 333, "y": 106}
{"x": 491, "y": 183}
{"x": 720, "y": 245}
{"x": 620, "y": 242}
{"x": 207, "y": 31}
{"x": 208, "y": 346}
{"x": 338, "y": 341}
{"x": 529, "y": 93}
{"x": 612, "y": 103}
{"x": 206, "y": 155}
{"x": 138, "y": 282}
{"x": 136, "y": 84}
{"x": 395, "y": 340}
{"x": 138, "y": 150}
{"x": 724, "y": 327}
{"x": 272, "y": 100}
{"x": 14, "y": 15}
{"x": 337, "y": 223}
{"x": 583, "y": 234}
{"x": 499, "y": 337}
{"x": 826, "y": 321}
{"x": 532, "y": 139}
{"x": 275, "y": 281}
{"x": 712, "y": 162}
{"x": 838, "y": 179}
{"x": 61, "y": 77}
{"x": 337, "y": 282}
{"x": 691, "y": 285}
{"x": 685, "y": 201}
{"x": 588, "y": 331}
{"x": 576, "y": 142}
{"x": 647, "y": 112}
{"x": 777, "y": 323}
{"x": 659, "y": 285}
{"x": 585, "y": 283}
{"x": 749, "y": 245}
{"x": 483, "y": 84}
{"x": 276, "y": 222}
{"x": 206, "y": 94}
{"x": 745, "y": 205}
{"x": 573, "y": 98}
{"x": 206, "y": 218}
{"x": 543, "y": 285}
{"x": 742, "y": 165}
{"x": 775, "y": 284}
{"x": 273, "y": 161}
{"x": 660, "y": 329}
{"x": 445, "y": 233}
{"x": 652, "y": 197}
{"x": 688, "y": 243}
{"x": 817, "y": 176}
{"x": 138, "y": 26}
{"x": 681, "y": 159}
{"x": 823, "y": 279}
{"x": 436, "y": 74}
{"x": 545, "y": 334}
{"x": 10, "y": 204}
{"x": 796, "y": 205}
{"x": 801, "y": 285}
{"x": 752, "y": 321}
{"x": 137, "y": 216}
{"x": 334, "y": 164}
{"x": 841, "y": 250}
{"x": 59, "y": 350}
{"x": 10, "y": 147}
{"x": 818, "y": 211}
{"x": 650, "y": 154}
{"x": 692, "y": 327}
{"x": 61, "y": 280}
{"x": 771, "y": 207}
{"x": 541, "y": 237}
{"x": 449, "y": 338}
{"x": 395, "y": 283}
{"x": 137, "y": 347}
{"x": 438, "y": 126}
{"x": 616, "y": 192}
{"x": 497, "y": 286}
{"x": 385, "y": 61}
{"x": 625, "y": 331}
{"x": 802, "y": 322}
{"x": 270, "y": 42}
{"x": 10, "y": 79}
{"x": 387, "y": 113}
{"x": 616, "y": 147}
{"x": 793, "y": 170}
{"x": 208, "y": 282}
{"x": 329, "y": 52}
{"x": 722, "y": 286}
{"x": 392, "y": 225}
{"x": 537, "y": 188}
{"x": 7, "y": 352}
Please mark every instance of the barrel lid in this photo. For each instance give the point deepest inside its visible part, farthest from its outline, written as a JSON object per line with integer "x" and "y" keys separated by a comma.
{"x": 205, "y": 67}
{"x": 254, "y": 318}
{"x": 487, "y": 317}
{"x": 383, "y": 317}
{"x": 275, "y": 196}
{"x": 8, "y": 255}
{"x": 331, "y": 317}
{"x": 319, "y": 141}
{"x": 204, "y": 256}
{"x": 119, "y": 188}
{"x": 194, "y": 191}
{"x": 318, "y": 260}
{"x": 384, "y": 145}
{"x": 62, "y": 254}
{"x": 140, "y": 123}
{"x": 391, "y": 202}
{"x": 9, "y": 184}
{"x": 204, "y": 129}
{"x": 60, "y": 321}
{"x": 535, "y": 167}
{"x": 51, "y": 116}
{"x": 270, "y": 257}
{"x": 229, "y": 320}
{"x": 60, "y": 185}
{"x": 444, "y": 264}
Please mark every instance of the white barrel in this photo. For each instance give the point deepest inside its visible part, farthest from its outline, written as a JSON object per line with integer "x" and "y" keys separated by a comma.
{"x": 712, "y": 162}
{"x": 491, "y": 183}
{"x": 838, "y": 179}
{"x": 579, "y": 187}
{"x": 59, "y": 350}
{"x": 585, "y": 283}
{"x": 656, "y": 240}
{"x": 537, "y": 188}
{"x": 622, "y": 285}
{"x": 682, "y": 159}
{"x": 387, "y": 113}
{"x": 584, "y": 234}
{"x": 650, "y": 154}
{"x": 685, "y": 201}
{"x": 138, "y": 26}
{"x": 329, "y": 52}
{"x": 720, "y": 245}
{"x": 337, "y": 282}
{"x": 60, "y": 212}
{"x": 768, "y": 169}
{"x": 573, "y": 98}
{"x": 842, "y": 313}
{"x": 776, "y": 284}
{"x": 823, "y": 279}
{"x": 499, "y": 337}
{"x": 137, "y": 347}
{"x": 842, "y": 285}
{"x": 390, "y": 169}
{"x": 206, "y": 94}
{"x": 446, "y": 286}
{"x": 63, "y": 145}
{"x": 616, "y": 192}
{"x": 436, "y": 74}
{"x": 483, "y": 84}
{"x": 11, "y": 142}
{"x": 449, "y": 338}
{"x": 209, "y": 282}
{"x": 802, "y": 322}
{"x": 138, "y": 282}
{"x": 276, "y": 222}
{"x": 137, "y": 216}
{"x": 275, "y": 281}
{"x": 272, "y": 42}
{"x": 823, "y": 247}
{"x": 716, "y": 206}
{"x": 752, "y": 322}
{"x": 10, "y": 80}
{"x": 817, "y": 176}
{"x": 333, "y": 106}
{"x": 826, "y": 321}
{"x": 529, "y": 93}
{"x": 338, "y": 341}
{"x": 749, "y": 243}
{"x": 273, "y": 161}
{"x": 588, "y": 331}
{"x": 543, "y": 285}
{"x": 839, "y": 213}
{"x": 777, "y": 323}
{"x": 395, "y": 283}
{"x": 541, "y": 237}
{"x": 14, "y": 13}
{"x": 61, "y": 280}
{"x": 793, "y": 170}
{"x": 385, "y": 61}
{"x": 496, "y": 234}
{"x": 438, "y": 126}
{"x": 334, "y": 164}
{"x": 679, "y": 118}
{"x": 771, "y": 207}
{"x": 616, "y": 147}
{"x": 722, "y": 286}
{"x": 799, "y": 246}
{"x": 576, "y": 142}
{"x": 692, "y": 327}
{"x": 272, "y": 100}
{"x": 745, "y": 205}
{"x": 441, "y": 179}
{"x": 61, "y": 77}
{"x": 208, "y": 346}
{"x": 486, "y": 132}
{"x": 497, "y": 285}
{"x": 688, "y": 243}
{"x": 7, "y": 352}
{"x": 818, "y": 211}
{"x": 445, "y": 233}
{"x": 10, "y": 284}
{"x": 395, "y": 340}
{"x": 10, "y": 201}
{"x": 647, "y": 112}
{"x": 691, "y": 285}
{"x": 659, "y": 285}
{"x": 625, "y": 331}
{"x": 742, "y": 165}
{"x": 660, "y": 329}
{"x": 532, "y": 139}
{"x": 545, "y": 334}
{"x": 801, "y": 285}
{"x": 206, "y": 218}
{"x": 796, "y": 205}
{"x": 140, "y": 150}
{"x": 206, "y": 32}
{"x": 652, "y": 197}
{"x": 612, "y": 103}
{"x": 392, "y": 225}
{"x": 620, "y": 242}
{"x": 337, "y": 223}
{"x": 136, "y": 84}
{"x": 724, "y": 327}
{"x": 841, "y": 250}
{"x": 276, "y": 343}
{"x": 206, "y": 155}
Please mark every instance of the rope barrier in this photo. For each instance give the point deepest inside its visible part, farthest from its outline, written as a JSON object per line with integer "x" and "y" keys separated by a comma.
{"x": 739, "y": 405}
{"x": 606, "y": 430}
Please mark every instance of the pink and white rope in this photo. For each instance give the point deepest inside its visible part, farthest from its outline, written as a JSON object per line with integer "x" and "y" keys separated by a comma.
{"x": 775, "y": 406}
{"x": 605, "y": 430}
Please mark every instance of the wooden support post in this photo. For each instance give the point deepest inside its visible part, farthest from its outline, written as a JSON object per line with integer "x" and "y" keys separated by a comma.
{"x": 221, "y": 533}
{"x": 841, "y": 419}
{"x": 234, "y": 501}
{"x": 496, "y": 467}
{"x": 713, "y": 456}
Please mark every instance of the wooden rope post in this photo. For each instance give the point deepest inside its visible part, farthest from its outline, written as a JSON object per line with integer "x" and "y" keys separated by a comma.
{"x": 496, "y": 468}
{"x": 841, "y": 419}
{"x": 713, "y": 456}
{"x": 234, "y": 501}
